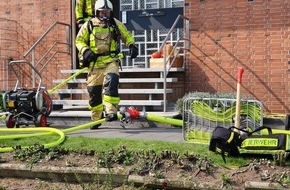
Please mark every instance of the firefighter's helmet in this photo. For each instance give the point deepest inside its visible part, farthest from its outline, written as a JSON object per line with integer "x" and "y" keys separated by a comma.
{"x": 103, "y": 9}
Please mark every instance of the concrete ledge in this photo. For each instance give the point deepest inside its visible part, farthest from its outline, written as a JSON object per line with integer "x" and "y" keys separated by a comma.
{"x": 119, "y": 176}
{"x": 69, "y": 174}
{"x": 169, "y": 184}
{"x": 80, "y": 174}
{"x": 254, "y": 185}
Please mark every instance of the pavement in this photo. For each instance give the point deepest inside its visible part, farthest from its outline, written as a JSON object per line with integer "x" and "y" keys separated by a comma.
{"x": 139, "y": 128}
{"x": 136, "y": 129}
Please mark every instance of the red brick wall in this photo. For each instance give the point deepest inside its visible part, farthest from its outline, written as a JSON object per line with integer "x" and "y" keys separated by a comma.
{"x": 228, "y": 34}
{"x": 29, "y": 19}
{"x": 8, "y": 48}
{"x": 225, "y": 35}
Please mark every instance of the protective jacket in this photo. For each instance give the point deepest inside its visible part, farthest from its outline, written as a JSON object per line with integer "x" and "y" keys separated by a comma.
{"x": 84, "y": 10}
{"x": 103, "y": 41}
{"x": 103, "y": 75}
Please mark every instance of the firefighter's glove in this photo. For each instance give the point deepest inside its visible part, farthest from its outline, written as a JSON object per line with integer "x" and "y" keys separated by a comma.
{"x": 133, "y": 51}
{"x": 83, "y": 63}
{"x": 89, "y": 56}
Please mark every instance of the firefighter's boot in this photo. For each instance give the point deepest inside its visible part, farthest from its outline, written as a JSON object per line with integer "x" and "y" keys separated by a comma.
{"x": 94, "y": 116}
{"x": 111, "y": 117}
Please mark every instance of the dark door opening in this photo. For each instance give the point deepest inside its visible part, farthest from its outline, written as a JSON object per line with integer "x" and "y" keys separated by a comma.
{"x": 116, "y": 10}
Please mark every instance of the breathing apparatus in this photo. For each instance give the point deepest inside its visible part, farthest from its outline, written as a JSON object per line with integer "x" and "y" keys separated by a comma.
{"x": 103, "y": 10}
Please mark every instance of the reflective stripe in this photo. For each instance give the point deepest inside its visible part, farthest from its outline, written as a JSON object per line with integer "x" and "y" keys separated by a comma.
{"x": 121, "y": 56}
{"x": 99, "y": 107}
{"x": 260, "y": 142}
{"x": 103, "y": 34}
{"x": 242, "y": 150}
{"x": 102, "y": 37}
{"x": 231, "y": 137}
{"x": 112, "y": 100}
{"x": 127, "y": 35}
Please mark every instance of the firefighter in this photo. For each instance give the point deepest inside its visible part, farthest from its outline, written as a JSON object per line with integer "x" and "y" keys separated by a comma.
{"x": 98, "y": 45}
{"x": 84, "y": 11}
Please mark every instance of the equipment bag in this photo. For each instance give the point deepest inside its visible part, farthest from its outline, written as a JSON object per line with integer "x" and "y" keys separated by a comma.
{"x": 233, "y": 141}
{"x": 265, "y": 144}
{"x": 225, "y": 141}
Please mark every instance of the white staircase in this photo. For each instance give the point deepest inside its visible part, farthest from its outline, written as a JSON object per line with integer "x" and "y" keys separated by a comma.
{"x": 138, "y": 89}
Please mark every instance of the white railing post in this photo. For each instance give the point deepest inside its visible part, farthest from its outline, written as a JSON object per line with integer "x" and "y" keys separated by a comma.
{"x": 164, "y": 76}
{"x": 163, "y": 47}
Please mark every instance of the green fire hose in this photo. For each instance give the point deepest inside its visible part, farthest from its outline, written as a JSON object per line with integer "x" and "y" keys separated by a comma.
{"x": 161, "y": 119}
{"x": 48, "y": 145}
{"x": 61, "y": 133}
{"x": 202, "y": 109}
{"x": 45, "y": 130}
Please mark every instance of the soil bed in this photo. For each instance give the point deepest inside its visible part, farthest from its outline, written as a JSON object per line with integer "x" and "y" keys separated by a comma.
{"x": 168, "y": 168}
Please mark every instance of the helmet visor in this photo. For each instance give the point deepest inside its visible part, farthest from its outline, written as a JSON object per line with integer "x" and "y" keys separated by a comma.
{"x": 103, "y": 14}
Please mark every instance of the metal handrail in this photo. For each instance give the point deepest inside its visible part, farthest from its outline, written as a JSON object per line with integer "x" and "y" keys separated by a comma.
{"x": 165, "y": 60}
{"x": 32, "y": 48}
{"x": 48, "y": 51}
{"x": 51, "y": 57}
{"x": 47, "y": 32}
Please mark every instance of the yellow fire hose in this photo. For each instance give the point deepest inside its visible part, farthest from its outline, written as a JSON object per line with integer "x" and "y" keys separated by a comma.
{"x": 47, "y": 130}
{"x": 48, "y": 145}
{"x": 126, "y": 114}
{"x": 2, "y": 117}
{"x": 66, "y": 80}
{"x": 130, "y": 114}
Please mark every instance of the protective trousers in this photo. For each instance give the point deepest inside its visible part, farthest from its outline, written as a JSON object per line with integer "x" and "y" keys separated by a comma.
{"x": 102, "y": 86}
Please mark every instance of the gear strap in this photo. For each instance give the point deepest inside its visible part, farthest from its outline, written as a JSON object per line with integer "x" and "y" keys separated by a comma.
{"x": 117, "y": 34}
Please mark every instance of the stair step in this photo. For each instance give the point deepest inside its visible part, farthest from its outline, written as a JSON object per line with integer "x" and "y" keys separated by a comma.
{"x": 122, "y": 102}
{"x": 125, "y": 80}
{"x": 133, "y": 70}
{"x": 121, "y": 91}
{"x": 146, "y": 95}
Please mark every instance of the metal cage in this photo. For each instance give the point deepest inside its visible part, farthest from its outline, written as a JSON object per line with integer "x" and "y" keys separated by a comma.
{"x": 202, "y": 115}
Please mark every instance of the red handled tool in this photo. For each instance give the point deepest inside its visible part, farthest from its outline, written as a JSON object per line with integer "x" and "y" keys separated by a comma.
{"x": 238, "y": 98}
